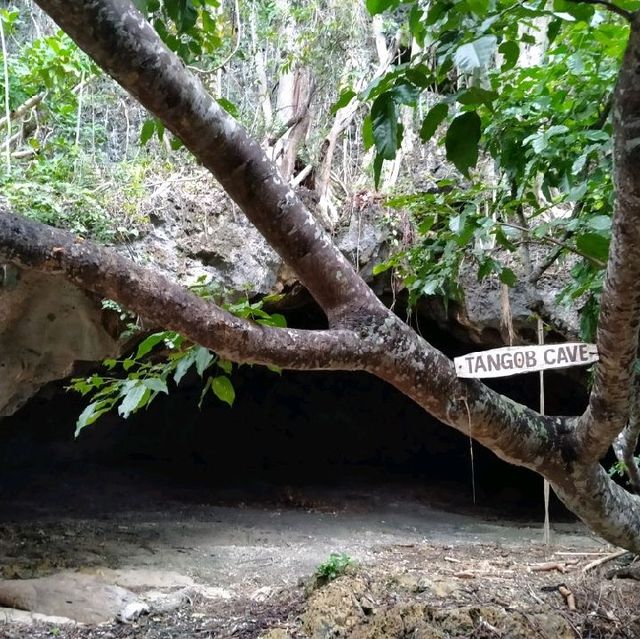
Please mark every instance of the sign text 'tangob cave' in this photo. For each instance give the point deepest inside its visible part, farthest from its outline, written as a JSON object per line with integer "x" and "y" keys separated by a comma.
{"x": 500, "y": 362}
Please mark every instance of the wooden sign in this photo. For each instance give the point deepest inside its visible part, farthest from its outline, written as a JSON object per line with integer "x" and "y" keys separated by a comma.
{"x": 512, "y": 360}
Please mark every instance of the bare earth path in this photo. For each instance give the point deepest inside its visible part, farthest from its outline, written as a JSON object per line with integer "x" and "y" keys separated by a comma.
{"x": 253, "y": 550}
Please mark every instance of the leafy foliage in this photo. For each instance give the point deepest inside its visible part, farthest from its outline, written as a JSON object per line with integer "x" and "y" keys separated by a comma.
{"x": 161, "y": 360}
{"x": 187, "y": 27}
{"x": 544, "y": 126}
{"x": 334, "y": 566}
{"x": 59, "y": 180}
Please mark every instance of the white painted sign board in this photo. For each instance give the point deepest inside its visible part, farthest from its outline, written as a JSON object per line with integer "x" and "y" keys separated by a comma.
{"x": 512, "y": 360}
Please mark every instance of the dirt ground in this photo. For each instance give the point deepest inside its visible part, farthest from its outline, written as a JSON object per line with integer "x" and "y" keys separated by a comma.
{"x": 424, "y": 566}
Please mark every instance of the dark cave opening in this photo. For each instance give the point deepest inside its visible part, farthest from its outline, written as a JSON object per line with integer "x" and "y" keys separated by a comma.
{"x": 298, "y": 432}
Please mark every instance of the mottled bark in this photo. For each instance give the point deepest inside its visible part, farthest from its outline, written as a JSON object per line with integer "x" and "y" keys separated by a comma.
{"x": 617, "y": 340}
{"x": 626, "y": 443}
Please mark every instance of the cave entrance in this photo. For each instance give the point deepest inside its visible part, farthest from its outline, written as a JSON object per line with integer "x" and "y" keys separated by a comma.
{"x": 308, "y": 440}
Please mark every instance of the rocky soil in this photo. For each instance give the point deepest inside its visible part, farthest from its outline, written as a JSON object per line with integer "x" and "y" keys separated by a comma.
{"x": 242, "y": 564}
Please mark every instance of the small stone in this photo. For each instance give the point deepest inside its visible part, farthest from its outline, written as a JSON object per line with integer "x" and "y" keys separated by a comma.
{"x": 132, "y": 612}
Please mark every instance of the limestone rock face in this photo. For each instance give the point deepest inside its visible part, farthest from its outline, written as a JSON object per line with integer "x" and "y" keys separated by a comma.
{"x": 191, "y": 235}
{"x": 197, "y": 235}
{"x": 46, "y": 324}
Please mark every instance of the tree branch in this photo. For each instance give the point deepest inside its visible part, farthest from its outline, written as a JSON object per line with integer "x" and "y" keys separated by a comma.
{"x": 167, "y": 304}
{"x": 606, "y": 507}
{"x": 619, "y": 321}
{"x": 125, "y": 45}
{"x": 559, "y": 243}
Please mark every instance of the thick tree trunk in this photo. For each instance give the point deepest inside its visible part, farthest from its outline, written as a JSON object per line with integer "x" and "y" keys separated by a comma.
{"x": 619, "y": 320}
{"x": 364, "y": 334}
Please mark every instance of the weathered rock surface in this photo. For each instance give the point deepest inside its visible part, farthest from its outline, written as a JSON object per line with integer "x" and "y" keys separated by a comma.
{"x": 46, "y": 324}
{"x": 348, "y": 607}
{"x": 84, "y": 598}
{"x": 197, "y": 235}
{"x": 94, "y": 595}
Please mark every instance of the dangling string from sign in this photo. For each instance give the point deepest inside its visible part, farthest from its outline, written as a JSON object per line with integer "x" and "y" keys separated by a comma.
{"x": 473, "y": 466}
{"x": 547, "y": 526}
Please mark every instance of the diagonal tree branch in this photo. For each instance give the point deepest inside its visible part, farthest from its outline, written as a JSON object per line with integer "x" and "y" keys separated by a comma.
{"x": 124, "y": 44}
{"x": 168, "y": 304}
{"x": 619, "y": 321}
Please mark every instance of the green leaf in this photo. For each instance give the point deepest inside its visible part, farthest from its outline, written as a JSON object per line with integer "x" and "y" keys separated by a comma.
{"x": 594, "y": 245}
{"x": 381, "y": 268}
{"x": 479, "y": 7}
{"x": 184, "y": 364}
{"x": 477, "y": 54}
{"x": 510, "y": 51}
{"x": 461, "y": 141}
{"x": 367, "y": 133}
{"x": 508, "y": 277}
{"x": 91, "y": 413}
{"x": 416, "y": 26}
{"x": 477, "y": 95}
{"x": 456, "y": 223}
{"x": 134, "y": 398}
{"x": 203, "y": 358}
{"x": 225, "y": 365}
{"x": 148, "y": 344}
{"x": 406, "y": 94}
{"x": 432, "y": 120}
{"x": 229, "y": 107}
{"x": 553, "y": 29}
{"x": 156, "y": 385}
{"x": 275, "y": 319}
{"x": 205, "y": 388}
{"x": 377, "y": 169}
{"x": 384, "y": 121}
{"x": 589, "y": 320}
{"x": 378, "y": 6}
{"x": 146, "y": 133}
{"x": 420, "y": 75}
{"x": 345, "y": 98}
{"x": 487, "y": 266}
{"x": 223, "y": 389}
{"x": 599, "y": 223}
{"x": 578, "y": 10}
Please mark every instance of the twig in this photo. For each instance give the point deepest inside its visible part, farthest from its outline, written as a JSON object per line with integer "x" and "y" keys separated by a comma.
{"x": 552, "y": 240}
{"x": 603, "y": 560}
{"x": 569, "y": 597}
{"x": 552, "y": 565}
{"x": 7, "y": 107}
{"x": 627, "y": 15}
{"x": 23, "y": 108}
{"x": 301, "y": 176}
{"x": 534, "y": 596}
{"x": 579, "y": 554}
